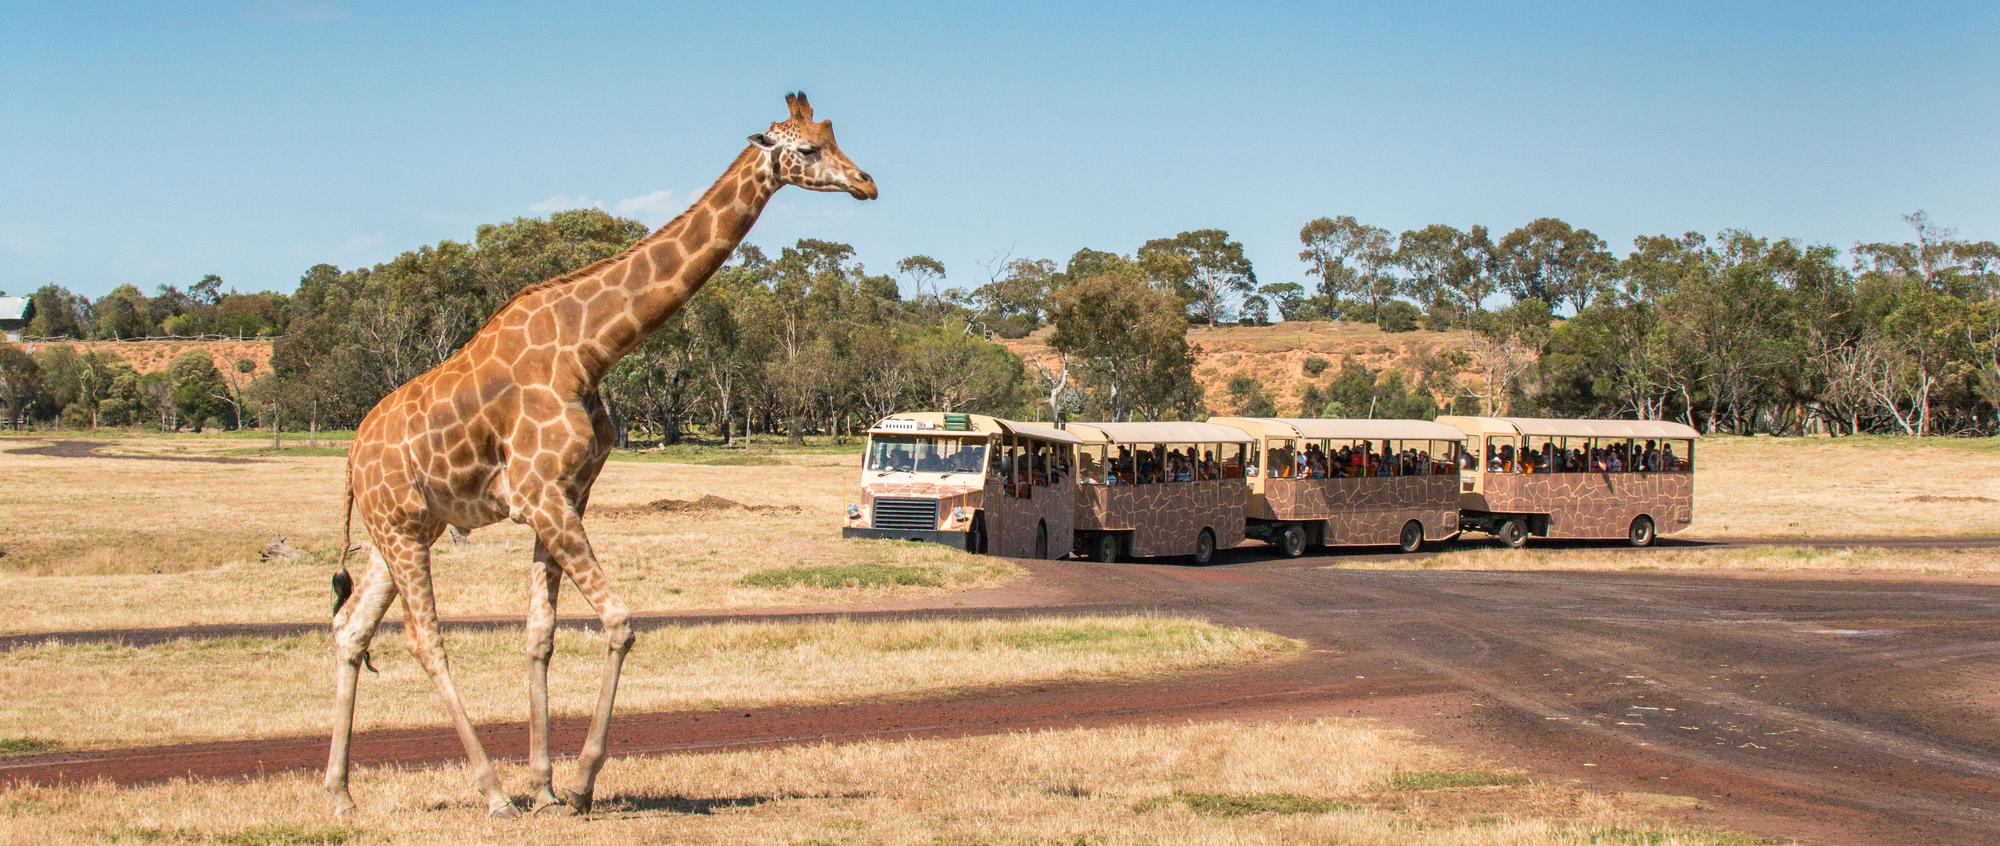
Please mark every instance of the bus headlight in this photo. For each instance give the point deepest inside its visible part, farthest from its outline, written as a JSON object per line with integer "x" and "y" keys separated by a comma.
{"x": 853, "y": 511}
{"x": 958, "y": 515}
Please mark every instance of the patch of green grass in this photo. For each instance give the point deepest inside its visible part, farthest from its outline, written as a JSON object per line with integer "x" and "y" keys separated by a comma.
{"x": 1244, "y": 804}
{"x": 846, "y": 576}
{"x": 1448, "y": 779}
{"x": 288, "y": 451}
{"x": 269, "y": 834}
{"x": 696, "y": 454}
{"x": 27, "y": 745}
{"x": 288, "y": 834}
{"x": 1617, "y": 835}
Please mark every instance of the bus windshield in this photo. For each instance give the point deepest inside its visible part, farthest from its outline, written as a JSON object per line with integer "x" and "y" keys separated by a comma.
{"x": 926, "y": 454}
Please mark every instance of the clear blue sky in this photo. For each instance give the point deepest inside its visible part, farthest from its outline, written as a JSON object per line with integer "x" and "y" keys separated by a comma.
{"x": 154, "y": 143}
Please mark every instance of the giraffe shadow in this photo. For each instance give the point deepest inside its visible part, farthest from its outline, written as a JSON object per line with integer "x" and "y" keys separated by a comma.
{"x": 644, "y": 803}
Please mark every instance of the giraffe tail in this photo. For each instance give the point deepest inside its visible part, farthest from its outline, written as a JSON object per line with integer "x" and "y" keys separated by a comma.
{"x": 343, "y": 584}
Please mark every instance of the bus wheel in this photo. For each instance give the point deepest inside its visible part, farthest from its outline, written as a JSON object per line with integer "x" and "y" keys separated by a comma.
{"x": 1292, "y": 541}
{"x": 1042, "y": 541}
{"x": 975, "y": 540}
{"x": 1641, "y": 533}
{"x": 1105, "y": 550}
{"x": 1513, "y": 533}
{"x": 1412, "y": 538}
{"x": 1204, "y": 547}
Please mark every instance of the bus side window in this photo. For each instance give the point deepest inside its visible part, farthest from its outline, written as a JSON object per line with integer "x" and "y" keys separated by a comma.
{"x": 1090, "y": 461}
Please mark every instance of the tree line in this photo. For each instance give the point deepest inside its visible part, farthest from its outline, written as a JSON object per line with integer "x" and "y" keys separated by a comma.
{"x": 1730, "y": 333}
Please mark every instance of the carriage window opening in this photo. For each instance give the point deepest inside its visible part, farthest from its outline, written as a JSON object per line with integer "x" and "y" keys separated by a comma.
{"x": 1501, "y": 454}
{"x": 1279, "y": 459}
{"x": 1231, "y": 458}
{"x": 1676, "y": 456}
{"x": 1090, "y": 465}
{"x": 1123, "y": 470}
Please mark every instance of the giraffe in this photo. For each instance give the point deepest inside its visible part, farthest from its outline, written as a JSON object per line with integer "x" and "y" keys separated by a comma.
{"x": 512, "y": 427}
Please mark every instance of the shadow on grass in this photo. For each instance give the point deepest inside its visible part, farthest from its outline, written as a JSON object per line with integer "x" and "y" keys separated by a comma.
{"x": 645, "y": 803}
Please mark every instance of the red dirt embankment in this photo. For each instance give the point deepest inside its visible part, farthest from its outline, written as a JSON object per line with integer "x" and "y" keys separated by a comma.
{"x": 1276, "y": 355}
{"x": 153, "y": 356}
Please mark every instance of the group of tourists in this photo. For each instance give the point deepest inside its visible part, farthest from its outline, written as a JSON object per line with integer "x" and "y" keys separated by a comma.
{"x": 1351, "y": 461}
{"x": 1154, "y": 465}
{"x": 1616, "y": 457}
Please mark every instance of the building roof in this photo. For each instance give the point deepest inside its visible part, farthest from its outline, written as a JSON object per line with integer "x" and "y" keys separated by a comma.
{"x": 1343, "y": 428}
{"x": 1158, "y": 433}
{"x": 17, "y": 308}
{"x": 1548, "y": 427}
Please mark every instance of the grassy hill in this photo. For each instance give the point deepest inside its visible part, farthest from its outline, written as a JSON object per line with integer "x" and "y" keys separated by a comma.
{"x": 1276, "y": 355}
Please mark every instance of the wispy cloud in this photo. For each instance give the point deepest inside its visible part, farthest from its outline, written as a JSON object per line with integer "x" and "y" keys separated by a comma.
{"x": 651, "y": 208}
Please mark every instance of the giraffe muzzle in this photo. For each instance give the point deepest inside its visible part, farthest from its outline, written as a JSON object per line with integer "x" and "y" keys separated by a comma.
{"x": 862, "y": 187}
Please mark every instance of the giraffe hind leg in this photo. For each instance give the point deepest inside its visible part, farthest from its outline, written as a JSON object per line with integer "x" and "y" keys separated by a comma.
{"x": 545, "y": 582}
{"x": 353, "y": 628}
{"x": 426, "y": 642}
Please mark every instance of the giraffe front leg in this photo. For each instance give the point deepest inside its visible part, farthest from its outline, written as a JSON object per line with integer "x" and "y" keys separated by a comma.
{"x": 353, "y": 628}
{"x": 561, "y": 531}
{"x": 541, "y": 643}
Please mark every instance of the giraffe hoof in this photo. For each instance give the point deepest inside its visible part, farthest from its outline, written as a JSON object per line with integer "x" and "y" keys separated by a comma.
{"x": 505, "y": 811}
{"x": 546, "y": 802}
{"x": 344, "y": 809}
{"x": 554, "y": 809}
{"x": 578, "y": 803}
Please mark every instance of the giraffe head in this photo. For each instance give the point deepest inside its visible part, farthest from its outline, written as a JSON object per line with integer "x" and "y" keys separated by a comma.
{"x": 803, "y": 153}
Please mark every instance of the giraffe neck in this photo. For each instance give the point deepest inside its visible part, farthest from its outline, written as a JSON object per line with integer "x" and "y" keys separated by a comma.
{"x": 660, "y": 273}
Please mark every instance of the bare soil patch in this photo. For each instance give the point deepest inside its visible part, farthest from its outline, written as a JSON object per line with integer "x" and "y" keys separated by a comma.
{"x": 96, "y": 449}
{"x": 707, "y": 502}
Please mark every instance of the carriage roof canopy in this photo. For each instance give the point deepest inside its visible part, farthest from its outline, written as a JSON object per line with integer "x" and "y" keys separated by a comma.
{"x": 1158, "y": 433}
{"x": 1343, "y": 429}
{"x": 1572, "y": 428}
{"x": 943, "y": 423}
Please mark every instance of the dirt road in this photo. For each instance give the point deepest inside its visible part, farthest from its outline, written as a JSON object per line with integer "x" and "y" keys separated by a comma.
{"x": 1841, "y": 711}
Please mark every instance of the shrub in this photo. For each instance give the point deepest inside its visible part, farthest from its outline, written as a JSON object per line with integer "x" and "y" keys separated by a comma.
{"x": 1314, "y": 365}
{"x": 1397, "y": 316}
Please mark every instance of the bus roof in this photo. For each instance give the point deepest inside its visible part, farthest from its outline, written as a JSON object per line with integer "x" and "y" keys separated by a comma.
{"x": 1548, "y": 427}
{"x": 1175, "y": 432}
{"x": 974, "y": 425}
{"x": 1042, "y": 431}
{"x": 1343, "y": 428}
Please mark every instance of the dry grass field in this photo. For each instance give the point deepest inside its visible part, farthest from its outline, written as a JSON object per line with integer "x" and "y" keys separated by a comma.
{"x": 1318, "y": 781}
{"x": 98, "y": 694}
{"x": 111, "y": 542}
{"x": 104, "y": 542}
{"x": 1846, "y": 487}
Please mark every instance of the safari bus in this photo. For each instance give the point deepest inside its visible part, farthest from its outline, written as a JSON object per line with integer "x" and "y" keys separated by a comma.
{"x": 1332, "y": 482}
{"x": 979, "y": 483}
{"x": 1594, "y": 479}
{"x": 1147, "y": 489}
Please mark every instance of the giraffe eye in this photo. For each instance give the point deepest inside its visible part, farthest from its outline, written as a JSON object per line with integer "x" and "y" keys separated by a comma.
{"x": 807, "y": 149}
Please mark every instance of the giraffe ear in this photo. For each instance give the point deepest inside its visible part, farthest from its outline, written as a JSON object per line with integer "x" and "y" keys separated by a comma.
{"x": 762, "y": 142}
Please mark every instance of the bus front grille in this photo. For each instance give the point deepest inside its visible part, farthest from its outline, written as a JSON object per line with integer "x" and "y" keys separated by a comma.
{"x": 902, "y": 513}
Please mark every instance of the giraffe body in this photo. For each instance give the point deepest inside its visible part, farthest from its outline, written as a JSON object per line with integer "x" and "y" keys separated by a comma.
{"x": 511, "y": 427}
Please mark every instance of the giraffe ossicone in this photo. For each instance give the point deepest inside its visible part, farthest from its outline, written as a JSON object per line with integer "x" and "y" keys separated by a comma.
{"x": 511, "y": 427}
